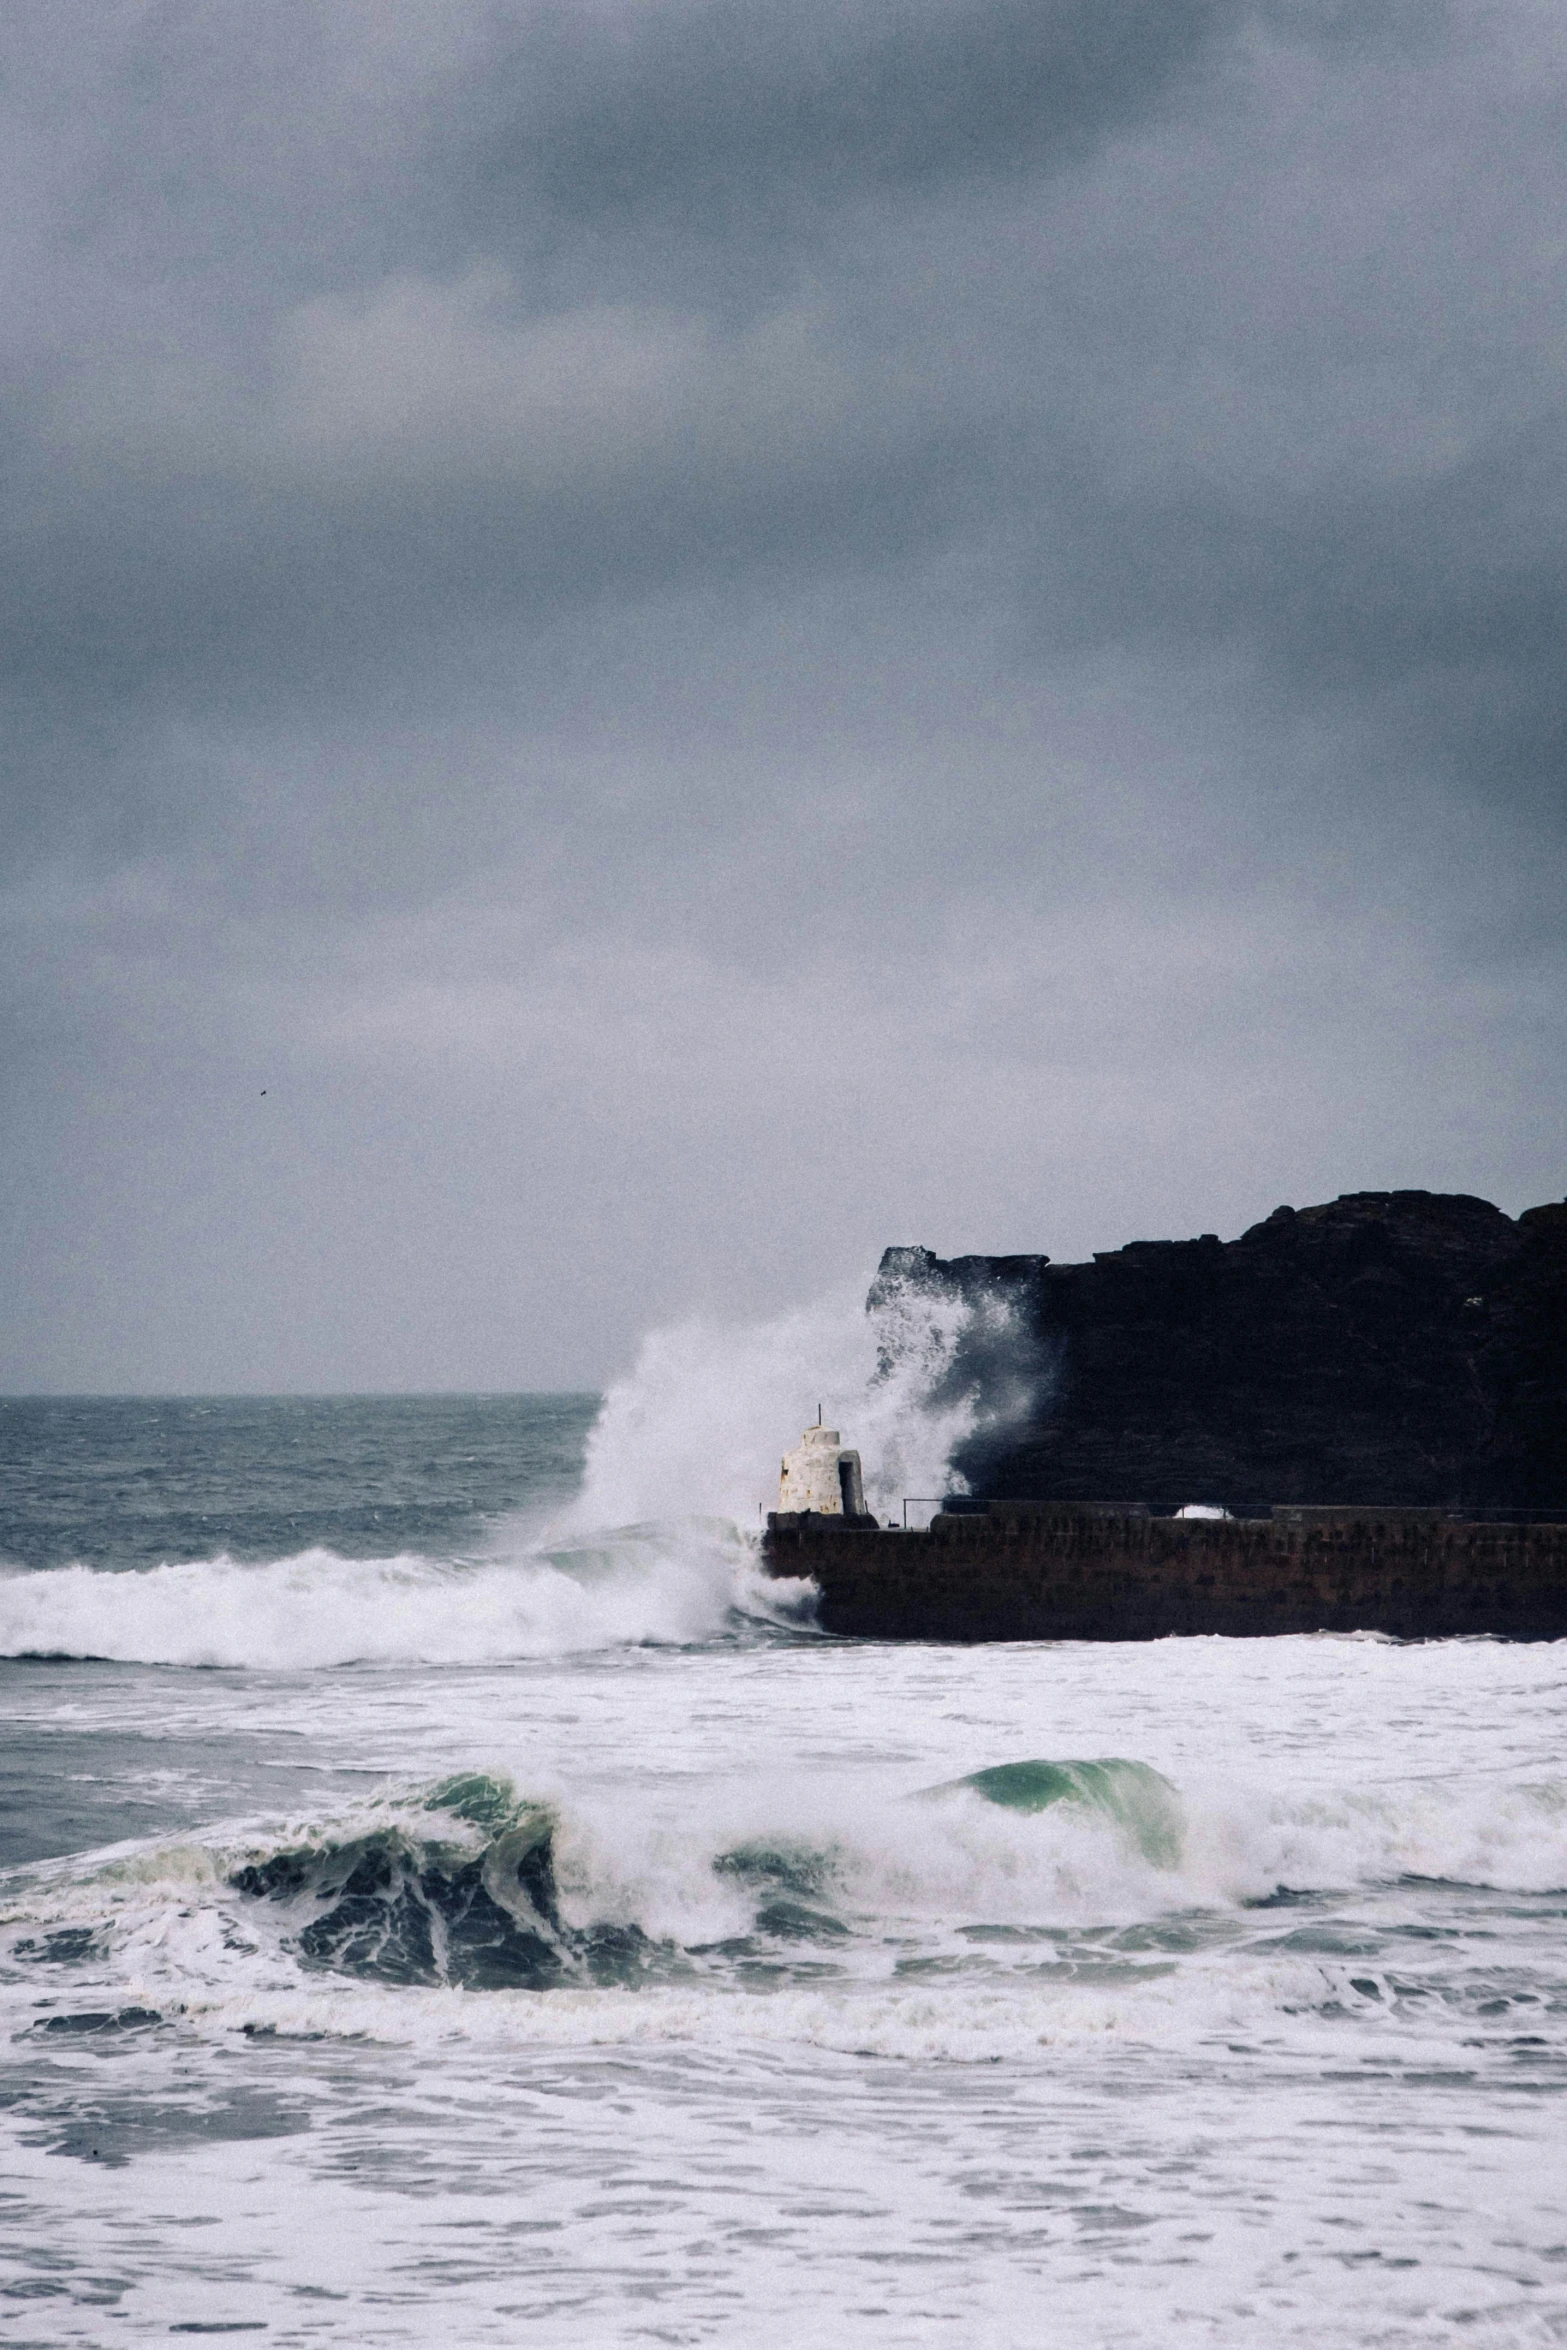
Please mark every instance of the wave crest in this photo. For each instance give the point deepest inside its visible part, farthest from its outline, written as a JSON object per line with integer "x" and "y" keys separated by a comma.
{"x": 675, "y": 1585}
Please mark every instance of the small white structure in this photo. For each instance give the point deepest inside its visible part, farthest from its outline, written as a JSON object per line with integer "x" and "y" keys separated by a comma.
{"x": 819, "y": 1475}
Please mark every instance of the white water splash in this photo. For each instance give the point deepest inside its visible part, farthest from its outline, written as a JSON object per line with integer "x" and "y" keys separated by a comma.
{"x": 699, "y": 1425}
{"x": 658, "y": 1546}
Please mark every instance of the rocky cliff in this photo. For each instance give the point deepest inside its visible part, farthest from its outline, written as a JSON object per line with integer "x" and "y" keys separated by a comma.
{"x": 1404, "y": 1346}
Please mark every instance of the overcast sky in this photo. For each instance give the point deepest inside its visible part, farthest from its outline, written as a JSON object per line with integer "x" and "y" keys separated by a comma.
{"x": 651, "y": 643}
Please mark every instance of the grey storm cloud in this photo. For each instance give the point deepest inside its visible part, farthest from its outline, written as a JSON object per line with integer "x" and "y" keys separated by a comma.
{"x": 557, "y": 557}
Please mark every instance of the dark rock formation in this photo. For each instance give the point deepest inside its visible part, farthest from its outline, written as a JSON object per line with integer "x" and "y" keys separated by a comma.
{"x": 1396, "y": 1347}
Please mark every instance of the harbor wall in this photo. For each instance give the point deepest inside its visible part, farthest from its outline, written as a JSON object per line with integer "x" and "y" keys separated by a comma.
{"x": 1080, "y": 1572}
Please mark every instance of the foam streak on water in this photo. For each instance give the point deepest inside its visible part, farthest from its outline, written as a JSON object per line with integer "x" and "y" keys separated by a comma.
{"x": 539, "y": 1934}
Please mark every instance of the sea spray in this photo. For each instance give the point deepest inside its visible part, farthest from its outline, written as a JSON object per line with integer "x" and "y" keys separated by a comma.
{"x": 658, "y": 1545}
{"x": 699, "y": 1423}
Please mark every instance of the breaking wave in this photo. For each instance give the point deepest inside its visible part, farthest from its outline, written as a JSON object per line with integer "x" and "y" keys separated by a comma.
{"x": 675, "y": 1586}
{"x": 1030, "y": 1900}
{"x": 660, "y": 1544}
{"x": 499, "y": 1894}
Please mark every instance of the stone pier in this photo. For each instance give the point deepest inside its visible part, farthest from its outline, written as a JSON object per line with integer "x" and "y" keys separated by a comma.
{"x": 1083, "y": 1571}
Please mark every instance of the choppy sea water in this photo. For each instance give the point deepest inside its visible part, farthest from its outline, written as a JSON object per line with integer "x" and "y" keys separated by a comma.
{"x": 450, "y": 1899}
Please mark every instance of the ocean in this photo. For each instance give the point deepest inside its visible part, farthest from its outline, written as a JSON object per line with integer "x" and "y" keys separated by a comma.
{"x": 450, "y": 1897}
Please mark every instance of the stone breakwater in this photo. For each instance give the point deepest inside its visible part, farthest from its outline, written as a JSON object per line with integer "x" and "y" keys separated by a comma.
{"x": 1021, "y": 1571}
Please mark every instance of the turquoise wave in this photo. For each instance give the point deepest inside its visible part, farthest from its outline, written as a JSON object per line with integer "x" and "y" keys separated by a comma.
{"x": 458, "y": 1884}
{"x": 1139, "y": 1801}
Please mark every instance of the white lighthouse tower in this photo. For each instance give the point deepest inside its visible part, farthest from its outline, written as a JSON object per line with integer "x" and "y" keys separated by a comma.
{"x": 820, "y": 1475}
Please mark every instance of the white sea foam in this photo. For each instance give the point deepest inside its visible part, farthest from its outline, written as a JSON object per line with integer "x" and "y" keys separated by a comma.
{"x": 1020, "y": 2044}
{"x": 1288, "y": 2068}
{"x": 318, "y": 1609}
{"x": 980, "y": 2021}
{"x": 953, "y": 1926}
